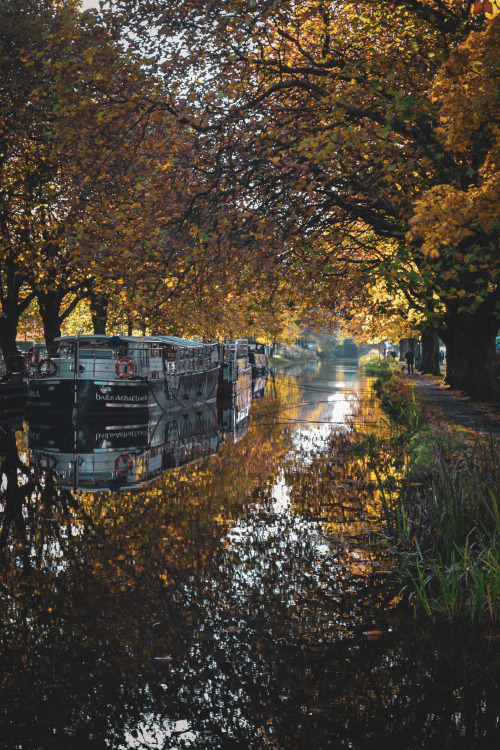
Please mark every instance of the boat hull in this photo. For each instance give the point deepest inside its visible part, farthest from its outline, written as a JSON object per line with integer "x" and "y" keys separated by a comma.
{"x": 13, "y": 399}
{"x": 121, "y": 402}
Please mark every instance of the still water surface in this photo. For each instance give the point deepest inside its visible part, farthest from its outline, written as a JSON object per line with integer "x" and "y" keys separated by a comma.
{"x": 242, "y": 600}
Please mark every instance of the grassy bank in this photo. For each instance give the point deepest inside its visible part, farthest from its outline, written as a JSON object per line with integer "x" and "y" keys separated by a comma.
{"x": 292, "y": 354}
{"x": 443, "y": 515}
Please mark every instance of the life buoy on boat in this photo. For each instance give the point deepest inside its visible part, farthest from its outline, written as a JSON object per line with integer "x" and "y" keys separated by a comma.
{"x": 128, "y": 364}
{"x": 47, "y": 368}
{"x": 123, "y": 465}
{"x": 33, "y": 356}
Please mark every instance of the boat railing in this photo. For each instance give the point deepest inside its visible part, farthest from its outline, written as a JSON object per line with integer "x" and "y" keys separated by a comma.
{"x": 197, "y": 360}
{"x": 74, "y": 360}
{"x": 87, "y": 360}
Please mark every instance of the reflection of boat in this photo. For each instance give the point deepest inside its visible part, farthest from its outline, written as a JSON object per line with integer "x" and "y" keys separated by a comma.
{"x": 259, "y": 384}
{"x": 97, "y": 456}
{"x": 258, "y": 358}
{"x": 233, "y": 406}
{"x": 122, "y": 376}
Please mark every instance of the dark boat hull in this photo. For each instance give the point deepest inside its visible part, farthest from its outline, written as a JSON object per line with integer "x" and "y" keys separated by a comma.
{"x": 13, "y": 399}
{"x": 229, "y": 388}
{"x": 120, "y": 402}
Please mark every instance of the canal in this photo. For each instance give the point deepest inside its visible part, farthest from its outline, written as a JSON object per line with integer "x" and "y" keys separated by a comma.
{"x": 220, "y": 579}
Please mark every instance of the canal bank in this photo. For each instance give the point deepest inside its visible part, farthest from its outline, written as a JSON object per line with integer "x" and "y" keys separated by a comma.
{"x": 442, "y": 513}
{"x": 482, "y": 419}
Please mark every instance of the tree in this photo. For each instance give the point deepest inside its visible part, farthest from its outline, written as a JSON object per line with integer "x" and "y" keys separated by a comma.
{"x": 459, "y": 223}
{"x": 322, "y": 121}
{"x": 71, "y": 121}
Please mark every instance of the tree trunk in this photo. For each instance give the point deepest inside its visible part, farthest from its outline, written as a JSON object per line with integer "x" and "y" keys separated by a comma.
{"x": 471, "y": 360}
{"x": 430, "y": 352}
{"x": 8, "y": 345}
{"x": 404, "y": 345}
{"x": 99, "y": 306}
{"x": 49, "y": 304}
{"x": 12, "y": 305}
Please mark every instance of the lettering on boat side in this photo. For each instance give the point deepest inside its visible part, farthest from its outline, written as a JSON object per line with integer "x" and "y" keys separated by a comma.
{"x": 123, "y": 434}
{"x": 33, "y": 394}
{"x": 111, "y": 397}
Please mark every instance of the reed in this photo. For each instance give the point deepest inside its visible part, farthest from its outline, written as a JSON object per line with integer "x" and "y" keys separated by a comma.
{"x": 457, "y": 528}
{"x": 444, "y": 516}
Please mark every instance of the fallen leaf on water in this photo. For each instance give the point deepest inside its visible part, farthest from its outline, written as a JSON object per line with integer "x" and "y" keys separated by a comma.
{"x": 373, "y": 633}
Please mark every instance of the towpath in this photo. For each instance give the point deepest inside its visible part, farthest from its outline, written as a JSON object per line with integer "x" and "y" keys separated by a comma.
{"x": 483, "y": 419}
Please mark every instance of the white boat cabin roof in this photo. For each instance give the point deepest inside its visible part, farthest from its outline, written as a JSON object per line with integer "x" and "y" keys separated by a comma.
{"x": 129, "y": 341}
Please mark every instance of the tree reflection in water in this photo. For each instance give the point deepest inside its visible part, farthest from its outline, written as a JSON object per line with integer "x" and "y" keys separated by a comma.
{"x": 232, "y": 603}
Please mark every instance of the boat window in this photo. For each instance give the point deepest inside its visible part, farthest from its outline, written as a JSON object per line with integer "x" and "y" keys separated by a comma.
{"x": 65, "y": 350}
{"x": 86, "y": 352}
{"x": 169, "y": 351}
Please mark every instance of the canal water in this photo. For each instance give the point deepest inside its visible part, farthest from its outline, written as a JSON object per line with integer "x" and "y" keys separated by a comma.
{"x": 220, "y": 579}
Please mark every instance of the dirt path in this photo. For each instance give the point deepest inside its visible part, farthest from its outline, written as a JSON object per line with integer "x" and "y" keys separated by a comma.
{"x": 483, "y": 419}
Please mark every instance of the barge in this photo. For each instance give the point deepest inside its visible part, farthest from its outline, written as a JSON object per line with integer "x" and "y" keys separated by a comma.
{"x": 257, "y": 357}
{"x": 13, "y": 390}
{"x": 125, "y": 378}
{"x": 235, "y": 368}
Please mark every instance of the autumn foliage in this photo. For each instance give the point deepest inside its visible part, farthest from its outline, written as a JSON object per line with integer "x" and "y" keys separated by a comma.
{"x": 226, "y": 165}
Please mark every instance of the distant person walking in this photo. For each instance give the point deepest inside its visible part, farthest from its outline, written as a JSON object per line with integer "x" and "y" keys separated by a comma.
{"x": 410, "y": 359}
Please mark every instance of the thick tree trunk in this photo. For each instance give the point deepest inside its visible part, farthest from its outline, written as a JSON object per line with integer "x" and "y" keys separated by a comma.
{"x": 430, "y": 352}
{"x": 8, "y": 331}
{"x": 13, "y": 304}
{"x": 49, "y": 304}
{"x": 99, "y": 313}
{"x": 471, "y": 361}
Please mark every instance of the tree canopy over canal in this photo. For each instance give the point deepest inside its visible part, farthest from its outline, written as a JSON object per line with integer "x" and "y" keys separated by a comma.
{"x": 223, "y": 167}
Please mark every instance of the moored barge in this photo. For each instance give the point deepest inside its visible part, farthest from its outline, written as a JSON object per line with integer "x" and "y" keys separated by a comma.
{"x": 257, "y": 357}
{"x": 235, "y": 368}
{"x": 124, "y": 378}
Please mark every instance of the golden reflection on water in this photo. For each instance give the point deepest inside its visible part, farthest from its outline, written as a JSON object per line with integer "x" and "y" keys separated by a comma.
{"x": 243, "y": 598}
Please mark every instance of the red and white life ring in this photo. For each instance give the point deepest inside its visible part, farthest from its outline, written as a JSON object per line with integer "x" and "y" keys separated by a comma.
{"x": 33, "y": 356}
{"x": 128, "y": 364}
{"x": 47, "y": 368}
{"x": 123, "y": 465}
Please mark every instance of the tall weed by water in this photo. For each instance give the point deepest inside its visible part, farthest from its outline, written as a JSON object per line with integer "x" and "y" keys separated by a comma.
{"x": 444, "y": 515}
{"x": 455, "y": 530}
